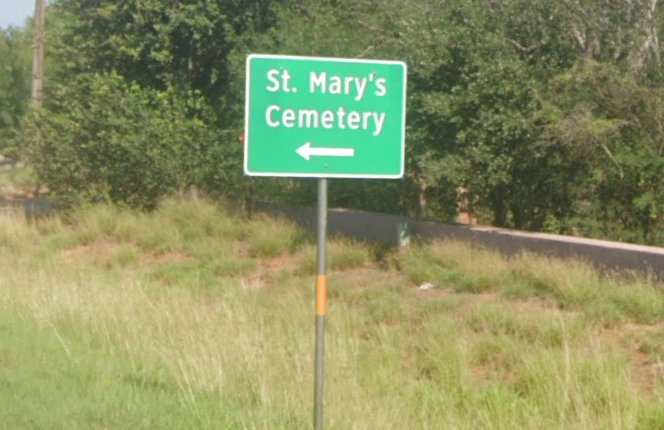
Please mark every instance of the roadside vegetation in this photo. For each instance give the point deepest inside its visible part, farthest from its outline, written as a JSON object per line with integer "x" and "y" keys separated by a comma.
{"x": 536, "y": 115}
{"x": 139, "y": 309}
{"x": 193, "y": 316}
{"x": 17, "y": 181}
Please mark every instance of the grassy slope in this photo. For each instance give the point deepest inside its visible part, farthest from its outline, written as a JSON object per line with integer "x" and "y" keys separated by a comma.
{"x": 53, "y": 382}
{"x": 192, "y": 317}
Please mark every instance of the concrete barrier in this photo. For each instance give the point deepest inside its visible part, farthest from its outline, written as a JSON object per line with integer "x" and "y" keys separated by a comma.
{"x": 394, "y": 230}
{"x": 30, "y": 207}
{"x": 389, "y": 230}
{"x": 605, "y": 255}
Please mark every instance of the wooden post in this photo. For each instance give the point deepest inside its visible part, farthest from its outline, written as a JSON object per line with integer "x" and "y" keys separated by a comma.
{"x": 38, "y": 54}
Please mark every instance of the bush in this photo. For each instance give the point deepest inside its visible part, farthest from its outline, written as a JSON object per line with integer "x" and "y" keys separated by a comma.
{"x": 105, "y": 139}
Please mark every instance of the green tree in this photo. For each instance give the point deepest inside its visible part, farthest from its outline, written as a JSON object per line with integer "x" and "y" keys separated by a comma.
{"x": 165, "y": 61}
{"x": 474, "y": 110}
{"x": 542, "y": 115}
{"x": 613, "y": 122}
{"x": 605, "y": 111}
{"x": 14, "y": 86}
{"x": 181, "y": 44}
{"x": 101, "y": 138}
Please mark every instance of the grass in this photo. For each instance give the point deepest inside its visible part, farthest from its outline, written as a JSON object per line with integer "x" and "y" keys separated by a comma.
{"x": 194, "y": 317}
{"x": 51, "y": 380}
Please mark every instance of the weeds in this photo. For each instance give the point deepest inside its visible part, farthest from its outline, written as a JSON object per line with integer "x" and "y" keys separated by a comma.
{"x": 194, "y": 316}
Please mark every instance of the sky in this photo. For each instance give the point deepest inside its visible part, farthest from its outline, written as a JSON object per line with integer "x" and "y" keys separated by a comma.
{"x": 14, "y": 12}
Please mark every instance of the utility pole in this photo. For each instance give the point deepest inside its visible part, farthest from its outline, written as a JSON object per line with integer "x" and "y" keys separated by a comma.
{"x": 38, "y": 54}
{"x": 38, "y": 61}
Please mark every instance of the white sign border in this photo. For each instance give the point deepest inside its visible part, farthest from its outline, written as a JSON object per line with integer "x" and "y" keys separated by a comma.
{"x": 247, "y": 172}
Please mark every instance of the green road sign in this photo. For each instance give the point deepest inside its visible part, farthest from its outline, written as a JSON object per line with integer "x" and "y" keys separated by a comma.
{"x": 324, "y": 117}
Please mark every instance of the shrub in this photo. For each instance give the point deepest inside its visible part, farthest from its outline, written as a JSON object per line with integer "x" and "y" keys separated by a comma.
{"x": 102, "y": 138}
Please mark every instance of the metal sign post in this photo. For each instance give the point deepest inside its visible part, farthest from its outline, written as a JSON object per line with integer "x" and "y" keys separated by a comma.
{"x": 321, "y": 303}
{"x": 312, "y": 117}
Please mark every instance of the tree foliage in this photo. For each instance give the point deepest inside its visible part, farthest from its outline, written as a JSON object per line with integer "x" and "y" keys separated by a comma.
{"x": 103, "y": 138}
{"x": 14, "y": 85}
{"x": 535, "y": 114}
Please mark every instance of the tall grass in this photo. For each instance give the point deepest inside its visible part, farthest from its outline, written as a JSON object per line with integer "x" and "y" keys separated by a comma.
{"x": 217, "y": 310}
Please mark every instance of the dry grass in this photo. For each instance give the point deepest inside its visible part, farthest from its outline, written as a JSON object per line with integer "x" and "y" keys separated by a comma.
{"x": 225, "y": 307}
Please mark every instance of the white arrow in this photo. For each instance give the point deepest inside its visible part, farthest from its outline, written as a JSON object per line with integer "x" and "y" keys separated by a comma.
{"x": 306, "y": 151}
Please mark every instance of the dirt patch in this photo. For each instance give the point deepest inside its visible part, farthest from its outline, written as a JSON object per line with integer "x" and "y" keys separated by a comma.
{"x": 256, "y": 281}
{"x": 240, "y": 249}
{"x": 464, "y": 296}
{"x": 99, "y": 251}
{"x": 169, "y": 257}
{"x": 270, "y": 271}
{"x": 645, "y": 360}
{"x": 103, "y": 251}
{"x": 537, "y": 304}
{"x": 646, "y": 371}
{"x": 646, "y": 355}
{"x": 644, "y": 328}
{"x": 282, "y": 262}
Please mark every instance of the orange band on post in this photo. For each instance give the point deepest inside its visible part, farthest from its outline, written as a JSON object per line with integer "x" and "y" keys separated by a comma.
{"x": 321, "y": 295}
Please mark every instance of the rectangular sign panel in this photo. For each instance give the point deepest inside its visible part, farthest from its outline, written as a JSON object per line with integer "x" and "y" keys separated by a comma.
{"x": 324, "y": 117}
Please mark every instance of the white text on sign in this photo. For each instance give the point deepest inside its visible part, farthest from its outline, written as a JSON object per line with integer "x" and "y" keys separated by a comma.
{"x": 322, "y": 83}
